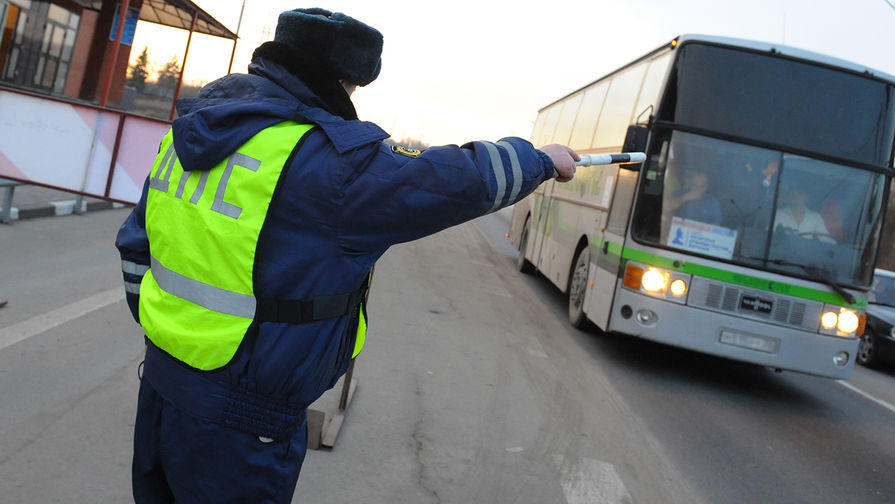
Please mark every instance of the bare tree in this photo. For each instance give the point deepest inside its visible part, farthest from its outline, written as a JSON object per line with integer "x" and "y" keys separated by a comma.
{"x": 140, "y": 71}
{"x": 168, "y": 75}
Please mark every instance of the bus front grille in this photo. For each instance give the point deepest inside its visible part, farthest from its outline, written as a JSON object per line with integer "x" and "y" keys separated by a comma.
{"x": 723, "y": 297}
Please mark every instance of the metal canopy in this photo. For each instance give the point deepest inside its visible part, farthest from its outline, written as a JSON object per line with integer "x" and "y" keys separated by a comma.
{"x": 177, "y": 14}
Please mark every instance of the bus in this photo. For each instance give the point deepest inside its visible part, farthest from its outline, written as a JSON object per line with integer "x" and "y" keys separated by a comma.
{"x": 752, "y": 229}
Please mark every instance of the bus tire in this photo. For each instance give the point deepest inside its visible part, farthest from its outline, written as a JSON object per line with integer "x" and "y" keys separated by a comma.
{"x": 522, "y": 264}
{"x": 867, "y": 355}
{"x": 578, "y": 288}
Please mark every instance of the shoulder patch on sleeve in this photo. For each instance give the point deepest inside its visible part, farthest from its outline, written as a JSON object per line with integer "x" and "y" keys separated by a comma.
{"x": 397, "y": 149}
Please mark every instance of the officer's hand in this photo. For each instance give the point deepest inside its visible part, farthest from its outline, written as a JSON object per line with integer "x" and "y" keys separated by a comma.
{"x": 564, "y": 160}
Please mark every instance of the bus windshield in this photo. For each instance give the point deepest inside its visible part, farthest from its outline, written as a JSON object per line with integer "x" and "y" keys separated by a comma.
{"x": 776, "y": 100}
{"x": 762, "y": 208}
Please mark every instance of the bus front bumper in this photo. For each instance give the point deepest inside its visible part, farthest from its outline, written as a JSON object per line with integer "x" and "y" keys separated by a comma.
{"x": 732, "y": 337}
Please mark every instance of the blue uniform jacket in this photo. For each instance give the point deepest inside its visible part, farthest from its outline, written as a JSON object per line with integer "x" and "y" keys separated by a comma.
{"x": 346, "y": 198}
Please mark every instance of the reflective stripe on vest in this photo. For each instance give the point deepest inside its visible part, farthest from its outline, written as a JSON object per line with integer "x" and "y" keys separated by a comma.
{"x": 362, "y": 319}
{"x": 197, "y": 300}
{"x": 361, "y": 331}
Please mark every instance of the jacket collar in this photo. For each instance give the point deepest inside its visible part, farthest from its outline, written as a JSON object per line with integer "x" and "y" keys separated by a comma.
{"x": 233, "y": 109}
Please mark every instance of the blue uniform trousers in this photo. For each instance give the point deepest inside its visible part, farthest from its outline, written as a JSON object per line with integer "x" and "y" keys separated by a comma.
{"x": 181, "y": 458}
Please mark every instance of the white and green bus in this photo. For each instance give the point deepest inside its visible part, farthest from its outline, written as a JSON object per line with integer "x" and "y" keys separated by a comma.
{"x": 752, "y": 229}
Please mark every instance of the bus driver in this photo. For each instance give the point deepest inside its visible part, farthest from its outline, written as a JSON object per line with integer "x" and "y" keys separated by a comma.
{"x": 802, "y": 220}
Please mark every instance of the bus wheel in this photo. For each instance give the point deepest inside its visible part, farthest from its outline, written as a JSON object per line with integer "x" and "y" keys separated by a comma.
{"x": 866, "y": 350}
{"x": 578, "y": 288}
{"x": 523, "y": 264}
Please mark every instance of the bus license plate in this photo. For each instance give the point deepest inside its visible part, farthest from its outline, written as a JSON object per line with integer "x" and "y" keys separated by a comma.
{"x": 750, "y": 341}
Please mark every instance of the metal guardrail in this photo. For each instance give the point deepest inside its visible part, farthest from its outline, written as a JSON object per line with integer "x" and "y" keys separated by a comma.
{"x": 6, "y": 206}
{"x": 78, "y": 207}
{"x": 96, "y": 152}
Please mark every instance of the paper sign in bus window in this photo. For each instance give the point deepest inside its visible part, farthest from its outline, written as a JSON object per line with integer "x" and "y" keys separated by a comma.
{"x": 701, "y": 238}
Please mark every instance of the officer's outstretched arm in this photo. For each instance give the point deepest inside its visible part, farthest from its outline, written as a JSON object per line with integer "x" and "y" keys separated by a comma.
{"x": 133, "y": 245}
{"x": 396, "y": 196}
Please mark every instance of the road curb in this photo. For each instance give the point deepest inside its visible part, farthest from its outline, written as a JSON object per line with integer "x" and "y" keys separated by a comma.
{"x": 56, "y": 208}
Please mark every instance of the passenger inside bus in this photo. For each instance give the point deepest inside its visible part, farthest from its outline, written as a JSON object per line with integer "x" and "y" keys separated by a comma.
{"x": 801, "y": 220}
{"x": 831, "y": 210}
{"x": 764, "y": 180}
{"x": 693, "y": 202}
{"x": 748, "y": 195}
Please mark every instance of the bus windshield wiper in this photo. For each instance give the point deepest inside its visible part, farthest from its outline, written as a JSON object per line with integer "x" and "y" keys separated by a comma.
{"x": 818, "y": 274}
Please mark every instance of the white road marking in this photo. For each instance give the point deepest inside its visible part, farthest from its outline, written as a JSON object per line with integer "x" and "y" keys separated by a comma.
{"x": 44, "y": 322}
{"x": 860, "y": 392}
{"x": 591, "y": 481}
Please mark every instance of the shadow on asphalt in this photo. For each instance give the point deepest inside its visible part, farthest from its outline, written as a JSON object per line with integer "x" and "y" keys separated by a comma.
{"x": 884, "y": 369}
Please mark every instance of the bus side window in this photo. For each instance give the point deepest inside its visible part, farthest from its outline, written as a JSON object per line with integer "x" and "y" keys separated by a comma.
{"x": 538, "y": 127}
{"x": 588, "y": 113}
{"x": 566, "y": 118}
{"x": 652, "y": 84}
{"x": 619, "y": 108}
{"x": 550, "y": 120}
{"x": 622, "y": 199}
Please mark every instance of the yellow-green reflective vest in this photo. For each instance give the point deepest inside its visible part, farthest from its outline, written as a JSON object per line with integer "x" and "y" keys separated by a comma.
{"x": 198, "y": 300}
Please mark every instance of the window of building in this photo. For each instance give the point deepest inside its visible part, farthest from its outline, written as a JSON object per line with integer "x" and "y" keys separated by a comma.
{"x": 37, "y": 44}
{"x": 9, "y": 17}
{"x": 56, "y": 49}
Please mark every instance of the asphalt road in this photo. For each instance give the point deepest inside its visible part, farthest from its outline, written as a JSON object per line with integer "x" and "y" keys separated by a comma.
{"x": 472, "y": 388}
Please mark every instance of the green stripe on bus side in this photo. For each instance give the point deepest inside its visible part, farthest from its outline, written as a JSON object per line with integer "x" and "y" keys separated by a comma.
{"x": 742, "y": 280}
{"x": 611, "y": 259}
{"x": 616, "y": 252}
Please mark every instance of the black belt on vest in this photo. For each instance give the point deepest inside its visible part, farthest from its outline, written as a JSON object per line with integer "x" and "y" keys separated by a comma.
{"x": 304, "y": 311}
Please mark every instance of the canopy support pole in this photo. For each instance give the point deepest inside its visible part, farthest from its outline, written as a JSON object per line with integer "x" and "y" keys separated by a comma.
{"x": 107, "y": 80}
{"x": 238, "y": 26}
{"x": 182, "y": 65}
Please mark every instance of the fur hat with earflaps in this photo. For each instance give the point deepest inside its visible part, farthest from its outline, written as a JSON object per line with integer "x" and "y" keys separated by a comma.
{"x": 349, "y": 49}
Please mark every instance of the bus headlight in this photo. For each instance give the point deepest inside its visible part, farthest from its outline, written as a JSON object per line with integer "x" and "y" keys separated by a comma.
{"x": 678, "y": 287}
{"x": 655, "y": 281}
{"x": 829, "y": 320}
{"x": 840, "y": 321}
{"x": 848, "y": 321}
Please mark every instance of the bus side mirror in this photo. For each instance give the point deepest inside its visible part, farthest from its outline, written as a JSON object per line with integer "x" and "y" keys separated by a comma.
{"x": 635, "y": 141}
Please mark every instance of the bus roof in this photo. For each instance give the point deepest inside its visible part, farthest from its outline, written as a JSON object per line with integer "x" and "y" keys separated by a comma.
{"x": 755, "y": 45}
{"x": 794, "y": 52}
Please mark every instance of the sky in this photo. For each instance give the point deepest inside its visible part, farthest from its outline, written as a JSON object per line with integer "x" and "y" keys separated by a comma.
{"x": 465, "y": 70}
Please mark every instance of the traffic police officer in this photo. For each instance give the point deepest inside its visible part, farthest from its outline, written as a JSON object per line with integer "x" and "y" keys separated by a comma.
{"x": 248, "y": 257}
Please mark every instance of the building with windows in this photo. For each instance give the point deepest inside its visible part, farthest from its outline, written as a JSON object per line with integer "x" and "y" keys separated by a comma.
{"x": 65, "y": 47}
{"x": 63, "y": 68}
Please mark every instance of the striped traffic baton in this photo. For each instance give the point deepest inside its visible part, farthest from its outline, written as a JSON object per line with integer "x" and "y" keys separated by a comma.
{"x": 605, "y": 159}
